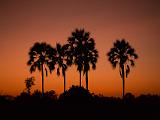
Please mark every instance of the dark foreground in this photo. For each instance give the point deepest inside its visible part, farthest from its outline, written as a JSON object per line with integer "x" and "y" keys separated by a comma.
{"x": 80, "y": 112}
{"x": 78, "y": 104}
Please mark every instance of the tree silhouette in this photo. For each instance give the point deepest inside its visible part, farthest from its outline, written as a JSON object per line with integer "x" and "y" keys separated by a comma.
{"x": 42, "y": 58}
{"x": 77, "y": 95}
{"x": 90, "y": 57}
{"x": 62, "y": 60}
{"x": 84, "y": 52}
{"x": 75, "y": 43}
{"x": 29, "y": 82}
{"x": 122, "y": 54}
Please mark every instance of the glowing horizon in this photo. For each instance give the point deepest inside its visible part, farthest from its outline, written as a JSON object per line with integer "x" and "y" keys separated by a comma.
{"x": 24, "y": 23}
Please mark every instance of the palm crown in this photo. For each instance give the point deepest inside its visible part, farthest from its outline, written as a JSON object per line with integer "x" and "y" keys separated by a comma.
{"x": 123, "y": 54}
{"x": 41, "y": 54}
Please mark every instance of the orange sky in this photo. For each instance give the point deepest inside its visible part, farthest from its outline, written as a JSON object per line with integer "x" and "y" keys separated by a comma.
{"x": 22, "y": 23}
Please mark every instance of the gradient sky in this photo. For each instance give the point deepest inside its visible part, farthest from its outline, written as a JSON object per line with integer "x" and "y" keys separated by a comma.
{"x": 24, "y": 22}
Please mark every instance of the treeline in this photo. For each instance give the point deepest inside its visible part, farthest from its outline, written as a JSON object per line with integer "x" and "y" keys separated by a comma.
{"x": 78, "y": 95}
{"x": 77, "y": 101}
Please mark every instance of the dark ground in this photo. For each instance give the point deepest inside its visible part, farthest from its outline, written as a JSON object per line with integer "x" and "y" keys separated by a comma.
{"x": 79, "y": 104}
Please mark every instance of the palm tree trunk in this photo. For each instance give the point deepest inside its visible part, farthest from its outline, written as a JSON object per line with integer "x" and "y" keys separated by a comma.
{"x": 80, "y": 78}
{"x": 42, "y": 81}
{"x": 64, "y": 75}
{"x": 87, "y": 80}
{"x": 123, "y": 81}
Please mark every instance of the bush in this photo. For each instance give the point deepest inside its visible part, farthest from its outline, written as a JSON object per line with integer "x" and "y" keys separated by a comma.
{"x": 76, "y": 94}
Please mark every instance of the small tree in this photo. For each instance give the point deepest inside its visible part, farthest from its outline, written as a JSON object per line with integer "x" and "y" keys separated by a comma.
{"x": 29, "y": 82}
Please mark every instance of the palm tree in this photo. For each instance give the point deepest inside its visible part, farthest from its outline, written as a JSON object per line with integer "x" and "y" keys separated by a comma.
{"x": 41, "y": 58}
{"x": 84, "y": 52}
{"x": 90, "y": 57}
{"x": 62, "y": 60}
{"x": 76, "y": 50}
{"x": 122, "y": 54}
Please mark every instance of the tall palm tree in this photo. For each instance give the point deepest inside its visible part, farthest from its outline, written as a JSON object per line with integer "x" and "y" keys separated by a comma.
{"x": 62, "y": 60}
{"x": 84, "y": 52}
{"x": 76, "y": 49}
{"x": 90, "y": 57}
{"x": 41, "y": 58}
{"x": 122, "y": 54}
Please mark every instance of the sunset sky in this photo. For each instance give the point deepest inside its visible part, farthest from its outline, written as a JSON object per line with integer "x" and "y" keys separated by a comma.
{"x": 24, "y": 22}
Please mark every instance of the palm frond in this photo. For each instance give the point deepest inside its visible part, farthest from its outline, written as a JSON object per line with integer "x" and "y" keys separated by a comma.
{"x": 32, "y": 68}
{"x": 46, "y": 72}
{"x": 127, "y": 71}
{"x": 132, "y": 62}
{"x": 120, "y": 72}
{"x": 58, "y": 71}
{"x": 93, "y": 66}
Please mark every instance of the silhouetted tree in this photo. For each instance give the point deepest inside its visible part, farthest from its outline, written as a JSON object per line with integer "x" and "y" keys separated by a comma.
{"x": 84, "y": 52}
{"x": 122, "y": 54}
{"x": 29, "y": 82}
{"x": 76, "y": 48}
{"x": 41, "y": 57}
{"x": 90, "y": 58}
{"x": 61, "y": 61}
